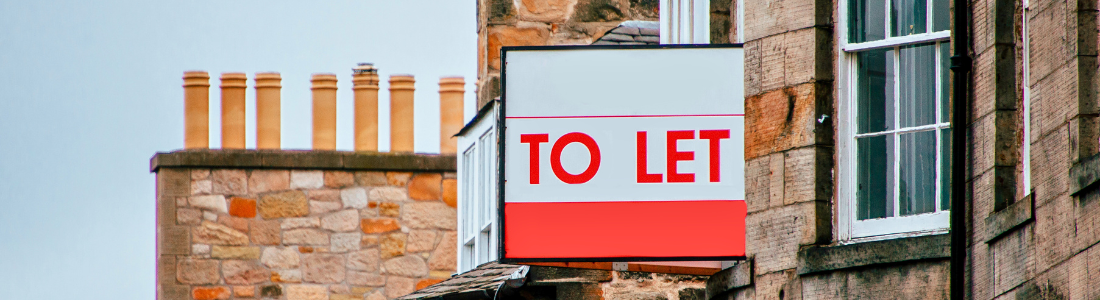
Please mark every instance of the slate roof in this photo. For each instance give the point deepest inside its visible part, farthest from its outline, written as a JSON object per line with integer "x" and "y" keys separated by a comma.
{"x": 484, "y": 279}
{"x": 632, "y": 33}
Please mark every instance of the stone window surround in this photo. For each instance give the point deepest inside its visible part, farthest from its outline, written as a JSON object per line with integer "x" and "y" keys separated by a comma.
{"x": 845, "y": 149}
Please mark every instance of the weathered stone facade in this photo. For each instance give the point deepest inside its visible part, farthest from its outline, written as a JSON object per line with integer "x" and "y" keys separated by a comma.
{"x": 1037, "y": 243}
{"x": 302, "y": 225}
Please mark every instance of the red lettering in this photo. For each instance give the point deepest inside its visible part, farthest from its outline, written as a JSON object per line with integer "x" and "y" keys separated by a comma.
{"x": 674, "y": 156}
{"x": 534, "y": 140}
{"x": 643, "y": 173}
{"x": 715, "y": 154}
{"x": 593, "y": 162}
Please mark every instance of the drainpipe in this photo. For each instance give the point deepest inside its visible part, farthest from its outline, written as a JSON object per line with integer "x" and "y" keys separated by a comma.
{"x": 960, "y": 69}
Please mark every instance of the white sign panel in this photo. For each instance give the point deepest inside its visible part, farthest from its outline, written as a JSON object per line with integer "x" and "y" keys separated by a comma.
{"x": 623, "y": 154}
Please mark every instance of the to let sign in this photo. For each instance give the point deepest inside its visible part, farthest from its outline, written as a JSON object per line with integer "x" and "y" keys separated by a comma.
{"x": 623, "y": 154}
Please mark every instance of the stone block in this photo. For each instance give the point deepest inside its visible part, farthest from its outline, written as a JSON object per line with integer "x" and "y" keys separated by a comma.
{"x": 920, "y": 280}
{"x": 399, "y": 286}
{"x": 379, "y": 225}
{"x": 242, "y": 207}
{"x": 421, "y": 240}
{"x": 499, "y": 36}
{"x": 306, "y": 292}
{"x": 295, "y": 223}
{"x": 389, "y": 209}
{"x": 197, "y": 271}
{"x": 271, "y": 291}
{"x": 200, "y": 174}
{"x": 202, "y": 250}
{"x": 355, "y": 197}
{"x": 280, "y": 258}
{"x": 239, "y": 224}
{"x": 314, "y": 237}
{"x": 426, "y": 186}
{"x": 247, "y": 291}
{"x": 339, "y": 179}
{"x": 393, "y": 244}
{"x": 264, "y": 181}
{"x": 1010, "y": 260}
{"x": 229, "y": 182}
{"x": 215, "y": 234}
{"x": 241, "y": 272}
{"x": 325, "y": 195}
{"x": 201, "y": 187}
{"x": 553, "y": 11}
{"x": 323, "y": 268}
{"x": 370, "y": 178}
{"x": 287, "y": 276}
{"x": 769, "y": 18}
{"x": 235, "y": 252}
{"x": 833, "y": 285}
{"x": 445, "y": 255}
{"x": 423, "y": 283}
{"x": 324, "y": 207}
{"x": 187, "y": 216}
{"x": 429, "y": 215}
{"x": 265, "y": 232}
{"x": 283, "y": 204}
{"x": 400, "y": 179}
{"x": 737, "y": 276}
{"x": 344, "y": 242}
{"x": 210, "y": 292}
{"x": 785, "y": 119}
{"x": 301, "y": 179}
{"x": 214, "y": 203}
{"x": 407, "y": 265}
{"x": 364, "y": 260}
{"x": 342, "y": 221}
{"x": 450, "y": 192}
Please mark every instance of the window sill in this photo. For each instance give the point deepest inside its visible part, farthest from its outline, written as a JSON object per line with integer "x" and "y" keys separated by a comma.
{"x": 728, "y": 279}
{"x": 1005, "y": 220}
{"x": 830, "y": 258}
{"x": 1084, "y": 175}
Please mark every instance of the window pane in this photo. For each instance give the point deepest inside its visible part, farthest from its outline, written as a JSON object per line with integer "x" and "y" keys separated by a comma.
{"x": 941, "y": 18}
{"x": 945, "y": 82}
{"x": 917, "y": 184}
{"x": 909, "y": 17}
{"x": 866, "y": 20}
{"x": 917, "y": 85}
{"x": 875, "y": 169}
{"x": 875, "y": 90}
{"x": 945, "y": 169}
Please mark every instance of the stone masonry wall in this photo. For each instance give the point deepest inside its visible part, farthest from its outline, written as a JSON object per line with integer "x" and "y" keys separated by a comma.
{"x": 299, "y": 227}
{"x": 537, "y": 23}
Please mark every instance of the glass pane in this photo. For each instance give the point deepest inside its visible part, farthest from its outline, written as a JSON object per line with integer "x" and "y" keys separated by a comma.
{"x": 866, "y": 20}
{"x": 917, "y": 85}
{"x": 941, "y": 15}
{"x": 909, "y": 17}
{"x": 875, "y": 171}
{"x": 875, "y": 90}
{"x": 945, "y": 82}
{"x": 917, "y": 172}
{"x": 945, "y": 169}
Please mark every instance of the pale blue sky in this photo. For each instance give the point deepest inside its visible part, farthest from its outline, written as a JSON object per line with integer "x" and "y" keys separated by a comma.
{"x": 90, "y": 90}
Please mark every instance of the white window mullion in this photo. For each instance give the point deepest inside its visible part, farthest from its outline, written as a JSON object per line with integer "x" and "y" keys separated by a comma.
{"x": 685, "y": 21}
{"x": 897, "y": 136}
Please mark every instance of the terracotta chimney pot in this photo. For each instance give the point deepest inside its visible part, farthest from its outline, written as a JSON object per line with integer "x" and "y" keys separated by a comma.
{"x": 451, "y": 90}
{"x": 268, "y": 104}
{"x": 196, "y": 116}
{"x": 365, "y": 81}
{"x": 233, "y": 110}
{"x": 401, "y": 113}
{"x": 324, "y": 111}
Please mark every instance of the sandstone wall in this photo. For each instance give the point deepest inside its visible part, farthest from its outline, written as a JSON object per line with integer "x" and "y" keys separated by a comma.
{"x": 303, "y": 225}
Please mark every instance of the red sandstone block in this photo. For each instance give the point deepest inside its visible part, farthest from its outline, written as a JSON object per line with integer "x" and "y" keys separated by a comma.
{"x": 376, "y": 225}
{"x": 210, "y": 293}
{"x": 427, "y": 282}
{"x": 242, "y": 207}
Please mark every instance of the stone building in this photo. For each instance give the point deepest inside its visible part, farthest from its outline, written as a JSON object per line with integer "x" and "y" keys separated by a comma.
{"x": 848, "y": 151}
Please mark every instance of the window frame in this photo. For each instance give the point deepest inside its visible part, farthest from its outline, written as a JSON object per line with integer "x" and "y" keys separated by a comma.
{"x": 478, "y": 232}
{"x": 850, "y": 229}
{"x": 684, "y": 21}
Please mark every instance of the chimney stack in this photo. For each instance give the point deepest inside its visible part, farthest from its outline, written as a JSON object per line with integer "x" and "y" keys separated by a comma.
{"x": 401, "y": 113}
{"x": 196, "y": 117}
{"x": 365, "y": 80}
{"x": 324, "y": 111}
{"x": 268, "y": 89}
{"x": 451, "y": 90}
{"x": 233, "y": 110}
